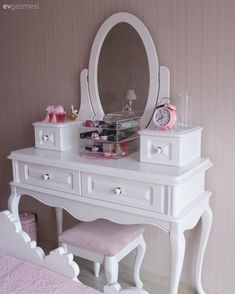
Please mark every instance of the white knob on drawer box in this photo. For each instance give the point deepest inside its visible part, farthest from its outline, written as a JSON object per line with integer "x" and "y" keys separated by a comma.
{"x": 45, "y": 138}
{"x": 157, "y": 150}
{"x": 46, "y": 177}
{"x": 117, "y": 191}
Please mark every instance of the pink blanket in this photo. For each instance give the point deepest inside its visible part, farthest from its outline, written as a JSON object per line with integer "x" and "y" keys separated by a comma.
{"x": 20, "y": 277}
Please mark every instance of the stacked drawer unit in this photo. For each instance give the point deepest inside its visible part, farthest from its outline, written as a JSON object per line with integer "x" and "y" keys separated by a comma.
{"x": 112, "y": 137}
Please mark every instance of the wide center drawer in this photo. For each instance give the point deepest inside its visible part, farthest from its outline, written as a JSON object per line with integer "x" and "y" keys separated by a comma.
{"x": 124, "y": 191}
{"x": 50, "y": 177}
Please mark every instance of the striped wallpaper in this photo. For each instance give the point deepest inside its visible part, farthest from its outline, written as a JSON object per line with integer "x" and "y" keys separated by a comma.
{"x": 42, "y": 53}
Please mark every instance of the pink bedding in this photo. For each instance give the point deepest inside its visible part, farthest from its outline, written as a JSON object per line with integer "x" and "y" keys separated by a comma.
{"x": 20, "y": 277}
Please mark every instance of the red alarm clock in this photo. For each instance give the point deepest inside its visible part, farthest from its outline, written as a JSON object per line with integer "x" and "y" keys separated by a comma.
{"x": 165, "y": 116}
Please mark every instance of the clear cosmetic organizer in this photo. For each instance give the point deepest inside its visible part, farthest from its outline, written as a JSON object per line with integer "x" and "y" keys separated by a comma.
{"x": 115, "y": 136}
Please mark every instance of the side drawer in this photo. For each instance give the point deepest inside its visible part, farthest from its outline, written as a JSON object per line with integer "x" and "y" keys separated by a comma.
{"x": 56, "y": 136}
{"x": 177, "y": 147}
{"x": 50, "y": 177}
{"x": 47, "y": 138}
{"x": 159, "y": 150}
{"x": 123, "y": 191}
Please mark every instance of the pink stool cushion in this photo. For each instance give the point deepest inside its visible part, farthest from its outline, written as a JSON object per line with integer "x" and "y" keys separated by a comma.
{"x": 101, "y": 236}
{"x": 18, "y": 276}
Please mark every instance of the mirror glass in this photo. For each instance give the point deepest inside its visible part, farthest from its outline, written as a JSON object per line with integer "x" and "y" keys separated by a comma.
{"x": 123, "y": 66}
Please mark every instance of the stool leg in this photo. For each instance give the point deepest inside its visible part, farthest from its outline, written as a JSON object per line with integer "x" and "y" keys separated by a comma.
{"x": 97, "y": 269}
{"x": 111, "y": 269}
{"x": 140, "y": 252}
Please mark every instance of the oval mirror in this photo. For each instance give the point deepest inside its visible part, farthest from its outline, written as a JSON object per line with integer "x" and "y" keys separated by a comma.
{"x": 123, "y": 63}
{"x": 123, "y": 67}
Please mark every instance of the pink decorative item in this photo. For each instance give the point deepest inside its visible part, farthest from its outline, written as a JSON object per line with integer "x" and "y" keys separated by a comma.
{"x": 28, "y": 223}
{"x": 53, "y": 119}
{"x": 60, "y": 117}
{"x": 165, "y": 116}
{"x": 59, "y": 109}
{"x": 50, "y": 111}
{"x": 55, "y": 114}
{"x": 59, "y": 114}
{"x": 124, "y": 147}
{"x": 47, "y": 118}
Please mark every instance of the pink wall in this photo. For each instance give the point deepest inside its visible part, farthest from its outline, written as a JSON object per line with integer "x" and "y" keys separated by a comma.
{"x": 42, "y": 53}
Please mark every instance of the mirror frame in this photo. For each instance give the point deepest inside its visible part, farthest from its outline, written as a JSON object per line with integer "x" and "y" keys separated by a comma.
{"x": 152, "y": 57}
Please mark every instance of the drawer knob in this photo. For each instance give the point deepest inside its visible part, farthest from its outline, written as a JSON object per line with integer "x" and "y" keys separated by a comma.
{"x": 157, "y": 150}
{"x": 45, "y": 138}
{"x": 117, "y": 191}
{"x": 46, "y": 177}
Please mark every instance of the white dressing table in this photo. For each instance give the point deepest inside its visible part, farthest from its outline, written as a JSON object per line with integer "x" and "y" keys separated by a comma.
{"x": 126, "y": 190}
{"x": 171, "y": 198}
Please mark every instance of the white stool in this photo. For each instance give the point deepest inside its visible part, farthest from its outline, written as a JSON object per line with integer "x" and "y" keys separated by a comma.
{"x": 105, "y": 242}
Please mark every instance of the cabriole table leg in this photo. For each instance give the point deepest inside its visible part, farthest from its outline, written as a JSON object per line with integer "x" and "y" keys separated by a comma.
{"x": 206, "y": 220}
{"x": 177, "y": 242}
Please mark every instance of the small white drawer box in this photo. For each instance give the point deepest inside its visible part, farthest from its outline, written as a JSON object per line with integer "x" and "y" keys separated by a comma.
{"x": 57, "y": 136}
{"x": 176, "y": 147}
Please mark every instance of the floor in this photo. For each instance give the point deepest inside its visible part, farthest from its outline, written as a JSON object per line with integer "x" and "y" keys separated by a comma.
{"x": 86, "y": 276}
{"x": 152, "y": 284}
{"x": 125, "y": 279}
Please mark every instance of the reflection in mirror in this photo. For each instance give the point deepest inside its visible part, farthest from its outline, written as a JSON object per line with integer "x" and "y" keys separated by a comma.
{"x": 123, "y": 66}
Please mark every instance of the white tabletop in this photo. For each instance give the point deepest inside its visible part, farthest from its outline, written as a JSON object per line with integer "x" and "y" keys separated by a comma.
{"x": 129, "y": 166}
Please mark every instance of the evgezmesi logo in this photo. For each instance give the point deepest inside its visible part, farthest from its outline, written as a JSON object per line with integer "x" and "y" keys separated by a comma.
{"x": 14, "y": 7}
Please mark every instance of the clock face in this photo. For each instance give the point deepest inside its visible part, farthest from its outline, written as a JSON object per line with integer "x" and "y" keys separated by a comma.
{"x": 162, "y": 117}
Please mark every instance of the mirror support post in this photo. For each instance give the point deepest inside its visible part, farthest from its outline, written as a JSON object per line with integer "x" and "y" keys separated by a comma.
{"x": 85, "y": 111}
{"x": 164, "y": 88}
